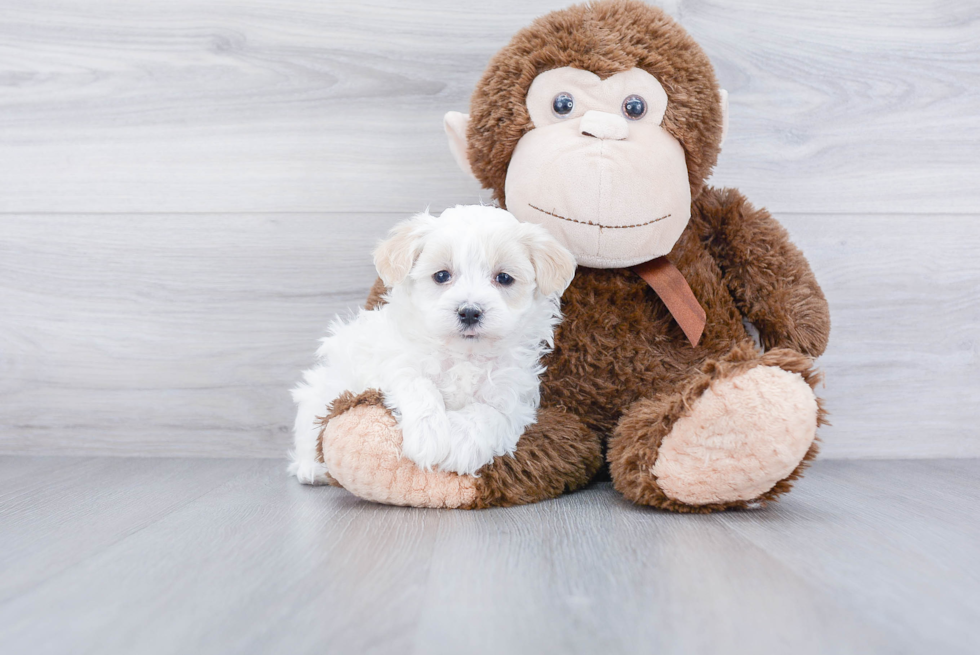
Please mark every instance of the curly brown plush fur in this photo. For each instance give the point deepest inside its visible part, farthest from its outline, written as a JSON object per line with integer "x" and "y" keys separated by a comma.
{"x": 555, "y": 455}
{"x": 622, "y": 373}
{"x": 618, "y": 342}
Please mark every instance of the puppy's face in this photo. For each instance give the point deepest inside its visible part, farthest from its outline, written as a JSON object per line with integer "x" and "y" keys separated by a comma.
{"x": 474, "y": 272}
{"x": 471, "y": 280}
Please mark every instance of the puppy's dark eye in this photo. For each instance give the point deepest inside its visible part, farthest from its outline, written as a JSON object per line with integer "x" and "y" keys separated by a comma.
{"x": 504, "y": 280}
{"x": 634, "y": 107}
{"x": 442, "y": 277}
{"x": 563, "y": 104}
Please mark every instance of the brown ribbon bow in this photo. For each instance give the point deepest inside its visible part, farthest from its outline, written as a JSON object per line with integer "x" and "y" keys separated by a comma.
{"x": 674, "y": 290}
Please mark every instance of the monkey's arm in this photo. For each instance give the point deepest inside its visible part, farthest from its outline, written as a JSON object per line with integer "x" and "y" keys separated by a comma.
{"x": 767, "y": 275}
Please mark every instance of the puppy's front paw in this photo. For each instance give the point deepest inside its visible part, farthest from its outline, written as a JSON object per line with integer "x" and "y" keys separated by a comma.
{"x": 474, "y": 442}
{"x": 427, "y": 440}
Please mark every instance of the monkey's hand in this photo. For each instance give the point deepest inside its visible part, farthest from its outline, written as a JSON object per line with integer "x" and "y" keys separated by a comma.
{"x": 767, "y": 275}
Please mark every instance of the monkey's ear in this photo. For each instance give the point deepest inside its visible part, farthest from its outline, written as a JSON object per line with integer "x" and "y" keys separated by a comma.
{"x": 554, "y": 266}
{"x": 395, "y": 256}
{"x": 455, "y": 125}
{"x": 724, "y": 116}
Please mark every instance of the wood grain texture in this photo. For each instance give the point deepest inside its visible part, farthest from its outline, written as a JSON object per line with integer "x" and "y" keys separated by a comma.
{"x": 181, "y": 335}
{"x": 88, "y": 505}
{"x": 131, "y": 331}
{"x": 260, "y": 106}
{"x": 870, "y": 544}
{"x": 639, "y": 582}
{"x": 903, "y": 365}
{"x": 865, "y": 557}
{"x": 258, "y": 564}
{"x": 172, "y": 335}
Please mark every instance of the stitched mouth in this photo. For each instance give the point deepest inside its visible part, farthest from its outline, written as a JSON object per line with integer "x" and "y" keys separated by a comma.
{"x": 606, "y": 227}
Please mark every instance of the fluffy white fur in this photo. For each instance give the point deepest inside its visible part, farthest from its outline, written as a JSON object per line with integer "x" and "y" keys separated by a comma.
{"x": 462, "y": 394}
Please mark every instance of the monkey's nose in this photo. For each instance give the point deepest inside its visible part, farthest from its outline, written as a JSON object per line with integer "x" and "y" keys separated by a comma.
{"x": 469, "y": 314}
{"x": 603, "y": 125}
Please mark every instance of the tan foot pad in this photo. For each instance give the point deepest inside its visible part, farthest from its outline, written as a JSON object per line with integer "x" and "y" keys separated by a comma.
{"x": 745, "y": 434}
{"x": 362, "y": 450}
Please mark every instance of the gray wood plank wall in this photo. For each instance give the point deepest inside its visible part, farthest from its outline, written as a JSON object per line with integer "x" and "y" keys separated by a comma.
{"x": 189, "y": 192}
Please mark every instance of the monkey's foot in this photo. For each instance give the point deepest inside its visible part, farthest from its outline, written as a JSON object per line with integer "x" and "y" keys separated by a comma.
{"x": 362, "y": 449}
{"x": 735, "y": 434}
{"x": 743, "y": 435}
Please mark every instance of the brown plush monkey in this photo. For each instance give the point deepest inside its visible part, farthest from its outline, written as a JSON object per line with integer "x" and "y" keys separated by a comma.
{"x": 602, "y": 122}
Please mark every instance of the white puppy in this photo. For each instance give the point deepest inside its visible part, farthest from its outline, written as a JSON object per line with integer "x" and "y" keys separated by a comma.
{"x": 471, "y": 308}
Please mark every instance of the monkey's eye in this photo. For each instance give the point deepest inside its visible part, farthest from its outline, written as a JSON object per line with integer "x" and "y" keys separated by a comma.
{"x": 634, "y": 107}
{"x": 504, "y": 280}
{"x": 563, "y": 104}
{"x": 442, "y": 277}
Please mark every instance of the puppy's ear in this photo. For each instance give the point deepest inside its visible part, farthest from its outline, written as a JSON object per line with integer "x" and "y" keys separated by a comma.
{"x": 395, "y": 256}
{"x": 554, "y": 266}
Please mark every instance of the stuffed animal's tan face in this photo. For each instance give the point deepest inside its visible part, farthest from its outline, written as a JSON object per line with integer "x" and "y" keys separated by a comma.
{"x": 598, "y": 169}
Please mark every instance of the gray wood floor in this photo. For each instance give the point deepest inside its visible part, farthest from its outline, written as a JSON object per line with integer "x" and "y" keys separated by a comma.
{"x": 129, "y": 555}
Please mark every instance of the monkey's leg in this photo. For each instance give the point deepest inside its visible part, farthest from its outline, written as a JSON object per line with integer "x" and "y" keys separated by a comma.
{"x": 735, "y": 434}
{"x": 555, "y": 455}
{"x": 361, "y": 446}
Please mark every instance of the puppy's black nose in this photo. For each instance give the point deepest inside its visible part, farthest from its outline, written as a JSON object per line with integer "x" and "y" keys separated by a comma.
{"x": 469, "y": 315}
